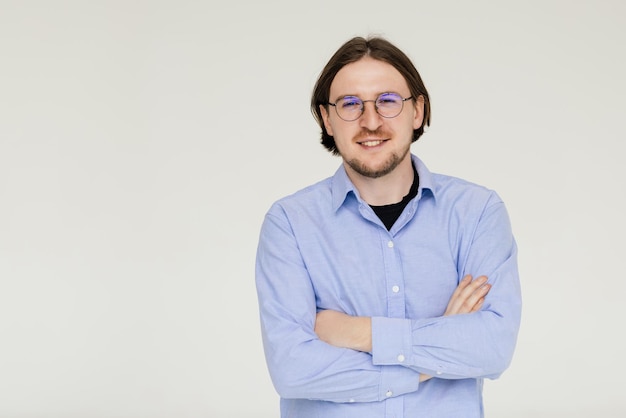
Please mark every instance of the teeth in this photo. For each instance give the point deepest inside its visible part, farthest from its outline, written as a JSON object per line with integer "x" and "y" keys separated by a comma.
{"x": 371, "y": 143}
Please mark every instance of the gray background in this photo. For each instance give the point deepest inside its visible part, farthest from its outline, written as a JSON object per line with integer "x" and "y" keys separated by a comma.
{"x": 141, "y": 143}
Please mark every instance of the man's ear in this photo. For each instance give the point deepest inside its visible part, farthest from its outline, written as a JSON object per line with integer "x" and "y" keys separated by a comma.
{"x": 326, "y": 120}
{"x": 419, "y": 112}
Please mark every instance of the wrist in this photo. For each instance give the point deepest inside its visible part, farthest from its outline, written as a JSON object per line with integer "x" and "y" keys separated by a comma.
{"x": 362, "y": 338}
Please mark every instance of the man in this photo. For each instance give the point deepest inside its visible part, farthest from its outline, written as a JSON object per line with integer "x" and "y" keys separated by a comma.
{"x": 385, "y": 290}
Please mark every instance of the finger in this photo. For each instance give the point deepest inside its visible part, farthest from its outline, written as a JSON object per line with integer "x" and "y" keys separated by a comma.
{"x": 456, "y": 300}
{"x": 478, "y": 305}
{"x": 463, "y": 284}
{"x": 468, "y": 289}
{"x": 475, "y": 298}
{"x": 477, "y": 283}
{"x": 467, "y": 294}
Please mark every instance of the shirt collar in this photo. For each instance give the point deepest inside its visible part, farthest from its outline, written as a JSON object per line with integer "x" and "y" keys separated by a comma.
{"x": 342, "y": 186}
{"x": 425, "y": 176}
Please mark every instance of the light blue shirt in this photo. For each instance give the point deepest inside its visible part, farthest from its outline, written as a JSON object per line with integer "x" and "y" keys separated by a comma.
{"x": 324, "y": 248}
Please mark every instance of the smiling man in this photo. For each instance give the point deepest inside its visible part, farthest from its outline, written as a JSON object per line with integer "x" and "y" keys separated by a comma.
{"x": 385, "y": 290}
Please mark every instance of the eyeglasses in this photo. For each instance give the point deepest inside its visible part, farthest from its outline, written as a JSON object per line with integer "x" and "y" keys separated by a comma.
{"x": 388, "y": 105}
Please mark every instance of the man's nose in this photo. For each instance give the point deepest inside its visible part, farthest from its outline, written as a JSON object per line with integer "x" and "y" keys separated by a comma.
{"x": 370, "y": 118}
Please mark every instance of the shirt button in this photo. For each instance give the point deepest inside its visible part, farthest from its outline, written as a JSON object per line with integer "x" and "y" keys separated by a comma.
{"x": 389, "y": 393}
{"x": 390, "y": 244}
{"x": 400, "y": 358}
{"x": 395, "y": 289}
{"x": 351, "y": 400}
{"x": 439, "y": 372}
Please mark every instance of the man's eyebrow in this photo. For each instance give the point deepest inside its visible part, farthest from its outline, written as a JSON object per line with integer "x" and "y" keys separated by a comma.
{"x": 377, "y": 95}
{"x": 347, "y": 95}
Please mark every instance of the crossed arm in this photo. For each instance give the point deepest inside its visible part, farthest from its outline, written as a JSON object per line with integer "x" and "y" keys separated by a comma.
{"x": 355, "y": 332}
{"x": 305, "y": 348}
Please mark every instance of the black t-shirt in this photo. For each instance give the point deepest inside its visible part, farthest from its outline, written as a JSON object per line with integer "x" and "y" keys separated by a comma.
{"x": 389, "y": 214}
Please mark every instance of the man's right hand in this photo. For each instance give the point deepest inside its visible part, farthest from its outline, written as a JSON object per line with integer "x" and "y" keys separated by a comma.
{"x": 469, "y": 296}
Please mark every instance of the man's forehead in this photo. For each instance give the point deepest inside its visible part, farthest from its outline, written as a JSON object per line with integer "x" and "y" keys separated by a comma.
{"x": 368, "y": 75}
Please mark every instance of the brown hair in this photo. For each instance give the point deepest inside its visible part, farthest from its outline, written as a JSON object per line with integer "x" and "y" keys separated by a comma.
{"x": 352, "y": 51}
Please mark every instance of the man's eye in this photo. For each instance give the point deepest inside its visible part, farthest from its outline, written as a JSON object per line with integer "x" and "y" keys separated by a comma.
{"x": 389, "y": 99}
{"x": 349, "y": 103}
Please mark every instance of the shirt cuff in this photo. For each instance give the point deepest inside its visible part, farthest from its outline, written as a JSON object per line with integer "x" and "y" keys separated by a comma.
{"x": 396, "y": 381}
{"x": 391, "y": 341}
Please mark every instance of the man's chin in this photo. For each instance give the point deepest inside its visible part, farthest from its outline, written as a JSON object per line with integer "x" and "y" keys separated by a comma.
{"x": 374, "y": 171}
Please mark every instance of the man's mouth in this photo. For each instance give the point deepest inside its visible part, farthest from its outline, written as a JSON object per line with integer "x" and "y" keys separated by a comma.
{"x": 371, "y": 143}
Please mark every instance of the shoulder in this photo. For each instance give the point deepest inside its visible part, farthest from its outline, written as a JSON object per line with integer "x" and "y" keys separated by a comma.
{"x": 310, "y": 198}
{"x": 451, "y": 190}
{"x": 461, "y": 193}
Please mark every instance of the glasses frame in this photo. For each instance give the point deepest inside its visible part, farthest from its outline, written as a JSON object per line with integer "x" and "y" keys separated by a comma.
{"x": 375, "y": 105}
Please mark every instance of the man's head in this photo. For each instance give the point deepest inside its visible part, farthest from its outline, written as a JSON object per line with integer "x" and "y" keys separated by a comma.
{"x": 351, "y": 52}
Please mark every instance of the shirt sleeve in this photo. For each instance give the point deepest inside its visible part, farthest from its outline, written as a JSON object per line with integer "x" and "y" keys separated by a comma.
{"x": 475, "y": 345}
{"x": 300, "y": 364}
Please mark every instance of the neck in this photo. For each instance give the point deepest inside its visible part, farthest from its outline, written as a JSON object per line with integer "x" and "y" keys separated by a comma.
{"x": 385, "y": 190}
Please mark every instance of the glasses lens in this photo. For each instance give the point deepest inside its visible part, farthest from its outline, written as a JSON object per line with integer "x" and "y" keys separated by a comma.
{"x": 389, "y": 105}
{"x": 349, "y": 108}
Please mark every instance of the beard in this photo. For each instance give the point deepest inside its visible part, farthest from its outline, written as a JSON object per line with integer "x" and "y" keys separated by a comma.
{"x": 387, "y": 167}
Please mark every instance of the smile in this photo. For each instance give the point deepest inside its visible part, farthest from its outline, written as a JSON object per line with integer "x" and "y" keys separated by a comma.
{"x": 372, "y": 143}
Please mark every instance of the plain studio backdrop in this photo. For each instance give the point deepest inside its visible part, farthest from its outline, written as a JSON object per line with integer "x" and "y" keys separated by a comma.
{"x": 142, "y": 142}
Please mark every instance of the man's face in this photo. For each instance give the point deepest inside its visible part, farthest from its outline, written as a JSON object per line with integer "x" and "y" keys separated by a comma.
{"x": 372, "y": 146}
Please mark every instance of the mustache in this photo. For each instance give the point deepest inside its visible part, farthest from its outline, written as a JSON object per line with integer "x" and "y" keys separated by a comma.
{"x": 367, "y": 133}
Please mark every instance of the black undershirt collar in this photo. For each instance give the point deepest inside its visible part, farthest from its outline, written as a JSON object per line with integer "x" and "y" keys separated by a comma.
{"x": 389, "y": 214}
